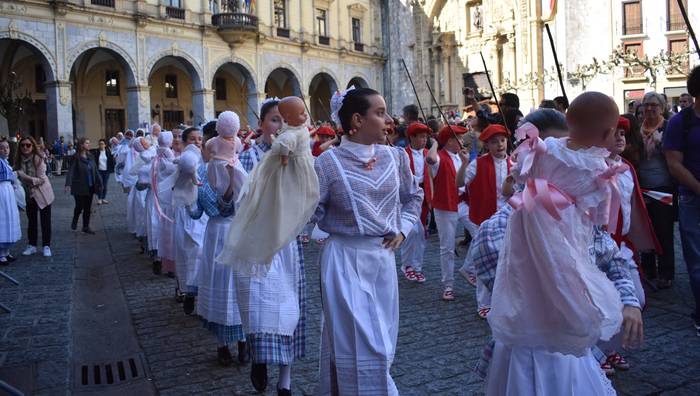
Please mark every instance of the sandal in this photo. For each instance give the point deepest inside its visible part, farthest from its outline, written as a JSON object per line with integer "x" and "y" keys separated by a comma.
{"x": 608, "y": 369}
{"x": 409, "y": 273}
{"x": 618, "y": 362}
{"x": 448, "y": 294}
{"x": 420, "y": 278}
{"x": 483, "y": 312}
{"x": 472, "y": 280}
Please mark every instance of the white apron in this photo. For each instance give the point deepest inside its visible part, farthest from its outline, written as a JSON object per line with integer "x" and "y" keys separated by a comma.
{"x": 152, "y": 221}
{"x": 189, "y": 238}
{"x": 10, "y": 231}
{"x": 360, "y": 298}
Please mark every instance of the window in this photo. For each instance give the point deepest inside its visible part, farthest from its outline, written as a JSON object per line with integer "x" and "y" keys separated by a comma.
{"x": 112, "y": 82}
{"x": 356, "y": 30}
{"x": 674, "y": 19}
{"x": 170, "y": 86}
{"x": 172, "y": 119}
{"x": 635, "y": 48}
{"x": 632, "y": 17}
{"x": 679, "y": 46}
{"x": 220, "y": 89}
{"x": 172, "y": 3}
{"x": 39, "y": 78}
{"x": 281, "y": 14}
{"x": 321, "y": 22}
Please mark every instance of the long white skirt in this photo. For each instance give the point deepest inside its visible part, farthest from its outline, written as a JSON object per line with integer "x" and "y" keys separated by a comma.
{"x": 216, "y": 300}
{"x": 189, "y": 238}
{"x": 360, "y": 298}
{"x": 136, "y": 212}
{"x": 270, "y": 304}
{"x": 10, "y": 231}
{"x": 130, "y": 214}
{"x": 166, "y": 239}
{"x": 522, "y": 371}
{"x": 152, "y": 221}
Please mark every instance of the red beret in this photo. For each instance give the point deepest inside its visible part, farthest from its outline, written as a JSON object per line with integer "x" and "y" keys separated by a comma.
{"x": 417, "y": 127}
{"x": 623, "y": 123}
{"x": 446, "y": 133}
{"x": 493, "y": 130}
{"x": 325, "y": 131}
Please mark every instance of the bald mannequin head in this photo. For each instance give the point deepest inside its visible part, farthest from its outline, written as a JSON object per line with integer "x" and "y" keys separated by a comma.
{"x": 293, "y": 111}
{"x": 592, "y": 119}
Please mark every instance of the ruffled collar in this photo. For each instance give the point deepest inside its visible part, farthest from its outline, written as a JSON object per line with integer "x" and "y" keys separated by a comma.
{"x": 364, "y": 152}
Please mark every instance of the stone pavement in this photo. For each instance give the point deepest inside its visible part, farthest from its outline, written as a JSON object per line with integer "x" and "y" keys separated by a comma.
{"x": 438, "y": 342}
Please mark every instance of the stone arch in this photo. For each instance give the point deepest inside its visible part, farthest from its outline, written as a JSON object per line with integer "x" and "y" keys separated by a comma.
{"x": 358, "y": 82}
{"x": 246, "y": 108}
{"x": 233, "y": 59}
{"x": 319, "y": 71}
{"x": 48, "y": 58}
{"x": 321, "y": 89}
{"x": 289, "y": 74}
{"x": 186, "y": 59}
{"x": 122, "y": 56}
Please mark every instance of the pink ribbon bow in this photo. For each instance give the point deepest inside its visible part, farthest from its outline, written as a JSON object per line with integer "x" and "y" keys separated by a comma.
{"x": 613, "y": 204}
{"x": 528, "y": 150}
{"x": 539, "y": 191}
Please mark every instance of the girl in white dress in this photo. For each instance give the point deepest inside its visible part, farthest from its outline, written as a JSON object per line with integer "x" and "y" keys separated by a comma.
{"x": 10, "y": 231}
{"x": 369, "y": 202}
{"x": 550, "y": 302}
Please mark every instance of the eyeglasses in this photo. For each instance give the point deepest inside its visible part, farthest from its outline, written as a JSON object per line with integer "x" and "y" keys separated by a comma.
{"x": 652, "y": 105}
{"x": 26, "y": 145}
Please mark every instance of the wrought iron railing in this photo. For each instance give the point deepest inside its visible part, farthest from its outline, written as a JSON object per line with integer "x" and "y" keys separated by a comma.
{"x": 175, "y": 12}
{"x": 235, "y": 20}
{"x": 103, "y": 3}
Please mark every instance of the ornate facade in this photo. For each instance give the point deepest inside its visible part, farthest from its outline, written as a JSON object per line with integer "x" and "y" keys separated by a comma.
{"x": 94, "y": 67}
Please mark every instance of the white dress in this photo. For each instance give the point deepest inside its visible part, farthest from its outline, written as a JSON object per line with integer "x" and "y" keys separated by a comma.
{"x": 278, "y": 203}
{"x": 10, "y": 231}
{"x": 550, "y": 302}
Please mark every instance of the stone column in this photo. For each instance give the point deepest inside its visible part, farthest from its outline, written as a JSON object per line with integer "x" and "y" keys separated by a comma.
{"x": 59, "y": 110}
{"x": 202, "y": 106}
{"x": 138, "y": 102}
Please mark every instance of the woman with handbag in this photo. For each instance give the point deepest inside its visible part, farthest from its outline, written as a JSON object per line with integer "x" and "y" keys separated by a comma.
{"x": 83, "y": 181}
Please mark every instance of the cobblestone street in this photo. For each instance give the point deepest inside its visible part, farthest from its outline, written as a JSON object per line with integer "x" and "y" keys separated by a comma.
{"x": 438, "y": 342}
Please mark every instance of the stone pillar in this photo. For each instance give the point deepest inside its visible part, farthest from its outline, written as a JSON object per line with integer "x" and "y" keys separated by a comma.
{"x": 59, "y": 110}
{"x": 202, "y": 106}
{"x": 138, "y": 102}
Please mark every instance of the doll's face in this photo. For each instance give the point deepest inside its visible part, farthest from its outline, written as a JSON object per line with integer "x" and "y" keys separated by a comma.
{"x": 292, "y": 110}
{"x": 4, "y": 149}
{"x": 145, "y": 144}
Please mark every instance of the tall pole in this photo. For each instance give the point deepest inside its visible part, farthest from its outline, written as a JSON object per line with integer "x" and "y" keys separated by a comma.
{"x": 425, "y": 119}
{"x": 556, "y": 62}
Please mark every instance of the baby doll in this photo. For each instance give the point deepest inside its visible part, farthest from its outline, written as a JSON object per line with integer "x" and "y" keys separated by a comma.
{"x": 223, "y": 151}
{"x": 281, "y": 197}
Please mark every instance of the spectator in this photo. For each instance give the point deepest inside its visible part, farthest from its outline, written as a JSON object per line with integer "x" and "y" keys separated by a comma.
{"x": 70, "y": 153}
{"x": 83, "y": 181}
{"x": 547, "y": 104}
{"x": 654, "y": 175}
{"x": 31, "y": 171}
{"x": 631, "y": 107}
{"x": 561, "y": 104}
{"x": 685, "y": 101}
{"x": 59, "y": 150}
{"x": 105, "y": 166}
{"x": 681, "y": 144}
{"x": 635, "y": 142}
{"x": 509, "y": 101}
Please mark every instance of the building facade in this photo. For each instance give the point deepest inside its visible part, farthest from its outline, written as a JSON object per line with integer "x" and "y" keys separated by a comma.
{"x": 95, "y": 67}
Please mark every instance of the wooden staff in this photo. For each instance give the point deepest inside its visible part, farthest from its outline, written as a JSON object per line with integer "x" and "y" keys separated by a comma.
{"x": 690, "y": 28}
{"x": 301, "y": 94}
{"x": 556, "y": 62}
{"x": 493, "y": 91}
{"x": 425, "y": 119}
{"x": 324, "y": 108}
{"x": 432, "y": 95}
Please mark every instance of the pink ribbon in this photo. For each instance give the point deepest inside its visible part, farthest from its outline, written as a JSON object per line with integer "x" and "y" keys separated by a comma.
{"x": 528, "y": 150}
{"x": 539, "y": 191}
{"x": 154, "y": 188}
{"x": 613, "y": 204}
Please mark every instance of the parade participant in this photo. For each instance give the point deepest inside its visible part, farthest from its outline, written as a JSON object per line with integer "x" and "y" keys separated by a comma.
{"x": 263, "y": 143}
{"x": 143, "y": 155}
{"x": 369, "y": 202}
{"x": 10, "y": 231}
{"x": 223, "y": 150}
{"x": 275, "y": 332}
{"x": 121, "y": 153}
{"x": 449, "y": 203}
{"x": 83, "y": 181}
{"x": 420, "y": 159}
{"x": 634, "y": 232}
{"x": 217, "y": 304}
{"x": 281, "y": 195}
{"x": 538, "y": 275}
{"x": 30, "y": 168}
{"x": 326, "y": 139}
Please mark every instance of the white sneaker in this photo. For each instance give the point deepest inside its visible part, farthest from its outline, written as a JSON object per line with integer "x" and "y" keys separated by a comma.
{"x": 47, "y": 251}
{"x": 29, "y": 250}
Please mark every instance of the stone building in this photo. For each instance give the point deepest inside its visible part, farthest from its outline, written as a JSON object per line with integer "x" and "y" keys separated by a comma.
{"x": 95, "y": 67}
{"x": 446, "y": 38}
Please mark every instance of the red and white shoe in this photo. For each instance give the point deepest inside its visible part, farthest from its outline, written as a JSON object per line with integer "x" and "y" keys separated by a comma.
{"x": 448, "y": 294}
{"x": 420, "y": 278}
{"x": 607, "y": 368}
{"x": 618, "y": 362}
{"x": 410, "y": 274}
{"x": 468, "y": 276}
{"x": 483, "y": 312}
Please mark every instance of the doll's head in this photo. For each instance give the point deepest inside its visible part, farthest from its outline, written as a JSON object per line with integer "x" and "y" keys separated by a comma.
{"x": 227, "y": 125}
{"x": 293, "y": 111}
{"x": 592, "y": 120}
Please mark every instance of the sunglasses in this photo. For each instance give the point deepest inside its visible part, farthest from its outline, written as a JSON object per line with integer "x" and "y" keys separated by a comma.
{"x": 26, "y": 145}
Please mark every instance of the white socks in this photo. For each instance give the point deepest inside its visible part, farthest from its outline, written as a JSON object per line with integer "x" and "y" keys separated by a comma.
{"x": 285, "y": 380}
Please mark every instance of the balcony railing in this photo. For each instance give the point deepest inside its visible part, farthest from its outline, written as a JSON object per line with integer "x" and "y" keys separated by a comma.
{"x": 175, "y": 12}
{"x": 282, "y": 32}
{"x": 323, "y": 40}
{"x": 103, "y": 3}
{"x": 235, "y": 20}
{"x": 675, "y": 24}
{"x": 359, "y": 47}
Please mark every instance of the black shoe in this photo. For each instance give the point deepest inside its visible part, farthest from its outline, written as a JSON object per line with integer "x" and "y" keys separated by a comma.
{"x": 258, "y": 377}
{"x": 242, "y": 352}
{"x": 224, "y": 356}
{"x": 10, "y": 258}
{"x": 74, "y": 224}
{"x": 188, "y": 305}
{"x": 87, "y": 230}
{"x": 157, "y": 267}
{"x": 283, "y": 392}
{"x": 171, "y": 274}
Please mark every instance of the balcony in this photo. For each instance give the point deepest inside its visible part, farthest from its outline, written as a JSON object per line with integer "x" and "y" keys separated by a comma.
{"x": 235, "y": 27}
{"x": 282, "y": 32}
{"x": 359, "y": 47}
{"x": 323, "y": 40}
{"x": 103, "y": 3}
{"x": 175, "y": 12}
{"x": 675, "y": 24}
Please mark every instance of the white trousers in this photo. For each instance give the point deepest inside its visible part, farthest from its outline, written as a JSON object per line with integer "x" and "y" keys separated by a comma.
{"x": 447, "y": 223}
{"x": 413, "y": 248}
